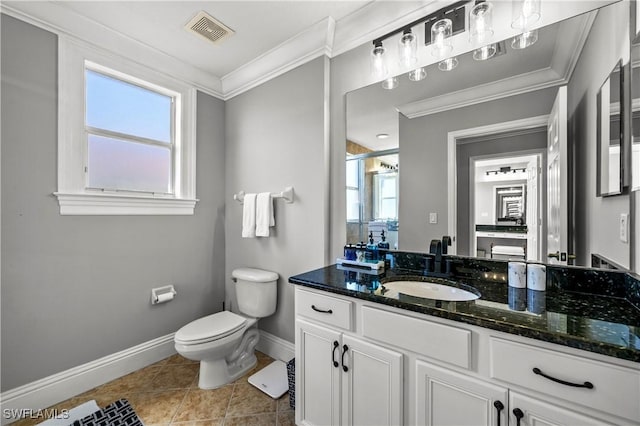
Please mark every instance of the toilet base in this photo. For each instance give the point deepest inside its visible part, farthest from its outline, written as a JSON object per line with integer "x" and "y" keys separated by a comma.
{"x": 216, "y": 373}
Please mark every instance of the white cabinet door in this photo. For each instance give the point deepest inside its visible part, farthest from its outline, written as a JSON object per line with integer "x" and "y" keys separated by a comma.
{"x": 446, "y": 398}
{"x": 527, "y": 411}
{"x": 371, "y": 384}
{"x": 317, "y": 375}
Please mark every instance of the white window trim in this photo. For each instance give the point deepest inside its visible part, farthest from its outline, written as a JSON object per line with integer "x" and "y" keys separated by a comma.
{"x": 73, "y": 197}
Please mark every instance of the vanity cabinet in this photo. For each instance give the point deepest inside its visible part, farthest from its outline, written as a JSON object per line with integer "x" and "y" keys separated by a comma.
{"x": 454, "y": 373}
{"x": 342, "y": 379}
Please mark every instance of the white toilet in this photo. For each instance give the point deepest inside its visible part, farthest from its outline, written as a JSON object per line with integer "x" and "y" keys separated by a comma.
{"x": 224, "y": 343}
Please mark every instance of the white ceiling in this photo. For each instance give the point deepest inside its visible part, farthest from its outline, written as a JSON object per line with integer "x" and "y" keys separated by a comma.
{"x": 259, "y": 26}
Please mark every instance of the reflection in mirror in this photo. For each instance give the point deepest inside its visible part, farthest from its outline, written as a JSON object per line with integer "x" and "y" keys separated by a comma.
{"x": 610, "y": 134}
{"x": 635, "y": 108}
{"x": 538, "y": 102}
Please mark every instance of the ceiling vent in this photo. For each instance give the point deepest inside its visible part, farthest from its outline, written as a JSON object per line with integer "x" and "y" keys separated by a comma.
{"x": 208, "y": 27}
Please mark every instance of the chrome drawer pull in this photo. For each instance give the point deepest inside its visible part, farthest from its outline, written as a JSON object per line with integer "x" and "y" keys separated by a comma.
{"x": 321, "y": 310}
{"x": 587, "y": 385}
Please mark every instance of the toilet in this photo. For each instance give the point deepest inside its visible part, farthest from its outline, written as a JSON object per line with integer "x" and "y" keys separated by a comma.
{"x": 224, "y": 342}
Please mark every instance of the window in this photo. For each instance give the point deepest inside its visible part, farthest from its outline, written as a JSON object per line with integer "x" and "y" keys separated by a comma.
{"x": 386, "y": 196}
{"x": 126, "y": 137}
{"x": 353, "y": 190}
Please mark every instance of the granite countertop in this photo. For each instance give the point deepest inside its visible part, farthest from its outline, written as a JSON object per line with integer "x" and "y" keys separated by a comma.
{"x": 571, "y": 316}
{"x": 516, "y": 229}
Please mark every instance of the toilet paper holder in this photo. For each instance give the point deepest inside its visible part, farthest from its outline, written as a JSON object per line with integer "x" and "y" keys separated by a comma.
{"x": 162, "y": 294}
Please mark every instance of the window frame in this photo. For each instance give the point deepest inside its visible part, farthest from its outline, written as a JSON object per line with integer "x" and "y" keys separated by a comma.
{"x": 73, "y": 194}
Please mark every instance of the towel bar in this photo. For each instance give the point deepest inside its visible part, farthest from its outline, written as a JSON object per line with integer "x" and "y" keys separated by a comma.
{"x": 287, "y": 195}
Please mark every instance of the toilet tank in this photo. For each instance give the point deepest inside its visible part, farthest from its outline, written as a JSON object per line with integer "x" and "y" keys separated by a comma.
{"x": 256, "y": 291}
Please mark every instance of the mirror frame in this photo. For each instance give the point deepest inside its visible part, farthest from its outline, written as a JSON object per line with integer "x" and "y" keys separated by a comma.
{"x": 603, "y": 120}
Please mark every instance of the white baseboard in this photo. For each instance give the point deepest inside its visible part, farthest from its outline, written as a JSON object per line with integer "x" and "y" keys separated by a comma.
{"x": 275, "y": 347}
{"x": 50, "y": 390}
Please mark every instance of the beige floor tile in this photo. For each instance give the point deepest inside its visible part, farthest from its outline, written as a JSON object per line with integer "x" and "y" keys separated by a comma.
{"x": 247, "y": 400}
{"x": 179, "y": 359}
{"x": 216, "y": 422}
{"x": 202, "y": 404}
{"x": 283, "y": 403}
{"x": 286, "y": 418}
{"x": 157, "y": 407}
{"x": 255, "y": 420}
{"x": 138, "y": 381}
{"x": 177, "y": 376}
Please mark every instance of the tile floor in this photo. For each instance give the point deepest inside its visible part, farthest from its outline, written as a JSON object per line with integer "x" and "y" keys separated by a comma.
{"x": 167, "y": 393}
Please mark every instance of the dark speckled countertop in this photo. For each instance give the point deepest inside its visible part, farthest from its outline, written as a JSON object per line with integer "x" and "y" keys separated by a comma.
{"x": 592, "y": 310}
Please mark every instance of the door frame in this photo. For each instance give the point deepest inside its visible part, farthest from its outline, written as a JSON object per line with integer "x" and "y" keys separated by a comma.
{"x": 452, "y": 179}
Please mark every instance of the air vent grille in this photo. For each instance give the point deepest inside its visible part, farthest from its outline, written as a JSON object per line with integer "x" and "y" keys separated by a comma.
{"x": 208, "y": 27}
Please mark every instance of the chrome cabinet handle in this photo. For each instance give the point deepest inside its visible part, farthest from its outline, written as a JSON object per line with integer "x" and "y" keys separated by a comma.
{"x": 336, "y": 345}
{"x": 328, "y": 311}
{"x": 587, "y": 385}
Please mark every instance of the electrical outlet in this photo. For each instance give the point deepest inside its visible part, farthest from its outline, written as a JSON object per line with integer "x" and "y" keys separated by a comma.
{"x": 624, "y": 227}
{"x": 433, "y": 217}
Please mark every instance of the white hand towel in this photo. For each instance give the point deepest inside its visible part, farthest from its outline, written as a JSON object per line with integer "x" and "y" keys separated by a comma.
{"x": 249, "y": 216}
{"x": 264, "y": 214}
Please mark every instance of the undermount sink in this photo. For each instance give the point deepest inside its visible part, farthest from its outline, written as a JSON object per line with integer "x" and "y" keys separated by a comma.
{"x": 435, "y": 289}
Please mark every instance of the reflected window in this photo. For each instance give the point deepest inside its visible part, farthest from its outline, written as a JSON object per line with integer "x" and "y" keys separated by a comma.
{"x": 353, "y": 190}
{"x": 386, "y": 196}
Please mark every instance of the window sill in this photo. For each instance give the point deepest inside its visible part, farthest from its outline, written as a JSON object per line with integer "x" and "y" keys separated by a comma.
{"x": 116, "y": 204}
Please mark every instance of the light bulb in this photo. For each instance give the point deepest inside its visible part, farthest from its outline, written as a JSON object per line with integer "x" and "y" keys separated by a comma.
{"x": 378, "y": 65}
{"x": 408, "y": 49}
{"x": 524, "y": 40}
{"x": 481, "y": 23}
{"x": 448, "y": 64}
{"x": 418, "y": 74}
{"x": 390, "y": 83}
{"x": 441, "y": 37}
{"x": 485, "y": 52}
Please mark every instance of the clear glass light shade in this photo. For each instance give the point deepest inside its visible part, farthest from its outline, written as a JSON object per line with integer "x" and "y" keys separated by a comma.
{"x": 418, "y": 74}
{"x": 448, "y": 64}
{"x": 524, "y": 13}
{"x": 524, "y": 40}
{"x": 441, "y": 38}
{"x": 408, "y": 49}
{"x": 485, "y": 52}
{"x": 390, "y": 83}
{"x": 378, "y": 65}
{"x": 481, "y": 23}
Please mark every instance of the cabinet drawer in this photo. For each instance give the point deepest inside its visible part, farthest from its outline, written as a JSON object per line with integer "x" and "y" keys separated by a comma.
{"x": 326, "y": 309}
{"x": 616, "y": 390}
{"x": 438, "y": 341}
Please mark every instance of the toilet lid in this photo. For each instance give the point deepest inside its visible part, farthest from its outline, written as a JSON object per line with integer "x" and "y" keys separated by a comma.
{"x": 211, "y": 327}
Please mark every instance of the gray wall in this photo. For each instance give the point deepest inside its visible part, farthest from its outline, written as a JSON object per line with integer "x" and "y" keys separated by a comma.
{"x": 275, "y": 135}
{"x": 597, "y": 218}
{"x": 423, "y": 159}
{"x": 77, "y": 288}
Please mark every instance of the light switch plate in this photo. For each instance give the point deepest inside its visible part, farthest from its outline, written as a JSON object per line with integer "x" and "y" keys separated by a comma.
{"x": 624, "y": 227}
{"x": 433, "y": 217}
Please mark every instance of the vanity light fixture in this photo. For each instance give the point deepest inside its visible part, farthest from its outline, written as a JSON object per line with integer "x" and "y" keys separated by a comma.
{"x": 481, "y": 30}
{"x": 408, "y": 48}
{"x": 524, "y": 40}
{"x": 505, "y": 170}
{"x": 525, "y": 13}
{"x": 378, "y": 66}
{"x": 447, "y": 21}
{"x": 448, "y": 64}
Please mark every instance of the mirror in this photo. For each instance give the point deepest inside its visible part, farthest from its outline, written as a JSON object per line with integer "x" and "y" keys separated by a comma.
{"x": 610, "y": 134}
{"x": 635, "y": 111}
{"x": 505, "y": 110}
{"x": 510, "y": 204}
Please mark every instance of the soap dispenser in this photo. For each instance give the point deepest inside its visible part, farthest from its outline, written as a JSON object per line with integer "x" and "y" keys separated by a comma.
{"x": 383, "y": 244}
{"x": 372, "y": 249}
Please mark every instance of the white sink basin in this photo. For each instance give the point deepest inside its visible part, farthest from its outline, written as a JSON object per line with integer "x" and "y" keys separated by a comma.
{"x": 425, "y": 290}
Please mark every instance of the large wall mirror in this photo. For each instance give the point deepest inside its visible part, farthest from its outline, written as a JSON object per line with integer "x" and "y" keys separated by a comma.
{"x": 522, "y": 121}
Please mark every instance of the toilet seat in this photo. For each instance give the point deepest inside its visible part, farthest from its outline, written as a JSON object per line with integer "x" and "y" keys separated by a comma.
{"x": 210, "y": 328}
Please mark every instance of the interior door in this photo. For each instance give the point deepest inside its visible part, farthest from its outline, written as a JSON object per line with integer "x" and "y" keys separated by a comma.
{"x": 533, "y": 209}
{"x": 557, "y": 181}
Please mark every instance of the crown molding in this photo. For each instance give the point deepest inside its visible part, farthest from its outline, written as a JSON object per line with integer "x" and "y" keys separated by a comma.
{"x": 573, "y": 33}
{"x": 307, "y": 45}
{"x": 55, "y": 18}
{"x": 524, "y": 83}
